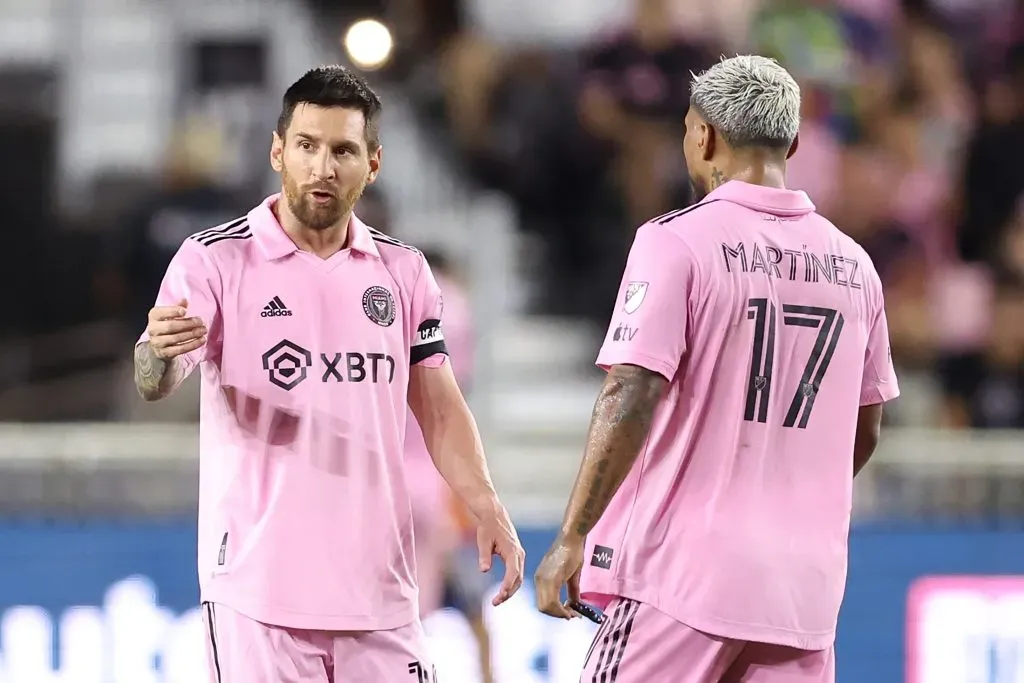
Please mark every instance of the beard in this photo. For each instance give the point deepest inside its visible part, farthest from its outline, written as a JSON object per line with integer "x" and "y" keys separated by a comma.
{"x": 314, "y": 215}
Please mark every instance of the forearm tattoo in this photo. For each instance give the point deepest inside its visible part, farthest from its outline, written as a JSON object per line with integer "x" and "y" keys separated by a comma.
{"x": 154, "y": 377}
{"x": 619, "y": 426}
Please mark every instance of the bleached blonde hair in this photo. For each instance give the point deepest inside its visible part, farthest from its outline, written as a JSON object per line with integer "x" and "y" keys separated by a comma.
{"x": 751, "y": 101}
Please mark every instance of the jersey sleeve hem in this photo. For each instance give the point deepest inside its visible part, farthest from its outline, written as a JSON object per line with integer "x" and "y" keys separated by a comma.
{"x": 606, "y": 360}
{"x": 879, "y": 393}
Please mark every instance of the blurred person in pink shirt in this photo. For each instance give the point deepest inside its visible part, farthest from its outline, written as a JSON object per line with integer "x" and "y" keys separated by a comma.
{"x": 446, "y": 557}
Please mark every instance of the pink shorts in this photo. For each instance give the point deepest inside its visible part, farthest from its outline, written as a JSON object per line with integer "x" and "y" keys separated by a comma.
{"x": 639, "y": 644}
{"x": 241, "y": 650}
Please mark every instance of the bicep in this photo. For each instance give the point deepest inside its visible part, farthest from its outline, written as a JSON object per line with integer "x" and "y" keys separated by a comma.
{"x": 642, "y": 384}
{"x": 869, "y": 429}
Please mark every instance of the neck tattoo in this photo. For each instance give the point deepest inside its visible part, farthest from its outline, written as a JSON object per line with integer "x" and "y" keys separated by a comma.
{"x": 717, "y": 178}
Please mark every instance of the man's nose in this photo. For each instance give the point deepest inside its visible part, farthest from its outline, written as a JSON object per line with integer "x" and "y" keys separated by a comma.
{"x": 323, "y": 166}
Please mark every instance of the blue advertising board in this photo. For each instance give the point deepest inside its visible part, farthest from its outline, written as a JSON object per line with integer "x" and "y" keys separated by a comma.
{"x": 116, "y": 603}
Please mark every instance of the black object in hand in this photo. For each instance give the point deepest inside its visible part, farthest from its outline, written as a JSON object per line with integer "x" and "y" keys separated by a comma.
{"x": 589, "y": 611}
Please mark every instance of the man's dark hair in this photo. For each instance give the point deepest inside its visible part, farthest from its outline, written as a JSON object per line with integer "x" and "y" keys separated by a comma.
{"x": 333, "y": 86}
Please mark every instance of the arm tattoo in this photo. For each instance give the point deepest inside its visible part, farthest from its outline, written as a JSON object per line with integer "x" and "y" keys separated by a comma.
{"x": 619, "y": 426}
{"x": 155, "y": 378}
{"x": 717, "y": 178}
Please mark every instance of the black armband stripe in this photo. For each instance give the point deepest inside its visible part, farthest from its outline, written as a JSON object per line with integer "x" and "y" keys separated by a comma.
{"x": 422, "y": 352}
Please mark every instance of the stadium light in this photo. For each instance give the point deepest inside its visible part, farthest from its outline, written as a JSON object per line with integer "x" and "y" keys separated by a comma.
{"x": 368, "y": 43}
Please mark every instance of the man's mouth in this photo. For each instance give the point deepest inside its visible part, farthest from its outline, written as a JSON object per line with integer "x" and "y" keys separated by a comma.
{"x": 322, "y": 196}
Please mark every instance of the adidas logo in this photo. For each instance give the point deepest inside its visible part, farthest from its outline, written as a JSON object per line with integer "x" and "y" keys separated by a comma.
{"x": 275, "y": 309}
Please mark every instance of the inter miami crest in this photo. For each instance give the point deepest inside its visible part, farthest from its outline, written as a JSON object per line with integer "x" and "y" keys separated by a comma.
{"x": 379, "y": 305}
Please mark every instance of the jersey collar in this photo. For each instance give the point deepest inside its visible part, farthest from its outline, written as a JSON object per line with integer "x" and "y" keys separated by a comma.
{"x": 275, "y": 243}
{"x": 767, "y": 199}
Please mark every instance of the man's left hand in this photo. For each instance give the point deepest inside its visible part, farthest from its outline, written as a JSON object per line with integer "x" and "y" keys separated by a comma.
{"x": 561, "y": 566}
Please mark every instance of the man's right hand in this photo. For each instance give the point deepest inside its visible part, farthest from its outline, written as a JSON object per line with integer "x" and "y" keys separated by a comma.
{"x": 171, "y": 334}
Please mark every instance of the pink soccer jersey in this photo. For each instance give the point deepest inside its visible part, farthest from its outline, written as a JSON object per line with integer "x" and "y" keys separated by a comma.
{"x": 304, "y": 513}
{"x": 770, "y": 326}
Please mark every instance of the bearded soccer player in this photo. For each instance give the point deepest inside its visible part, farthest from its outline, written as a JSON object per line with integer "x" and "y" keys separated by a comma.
{"x": 748, "y": 361}
{"x": 315, "y": 334}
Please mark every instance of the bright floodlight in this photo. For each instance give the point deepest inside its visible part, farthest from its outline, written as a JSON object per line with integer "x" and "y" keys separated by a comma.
{"x": 368, "y": 44}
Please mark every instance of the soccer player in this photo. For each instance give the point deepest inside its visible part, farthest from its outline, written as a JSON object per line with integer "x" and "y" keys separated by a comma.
{"x": 748, "y": 361}
{"x": 314, "y": 335}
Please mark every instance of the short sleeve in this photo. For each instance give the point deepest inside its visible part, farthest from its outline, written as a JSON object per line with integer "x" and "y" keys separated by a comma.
{"x": 652, "y": 314}
{"x": 878, "y": 384}
{"x": 427, "y": 344}
{"x": 192, "y": 276}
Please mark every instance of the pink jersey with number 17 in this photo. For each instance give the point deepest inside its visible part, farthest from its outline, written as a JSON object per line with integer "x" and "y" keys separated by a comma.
{"x": 769, "y": 324}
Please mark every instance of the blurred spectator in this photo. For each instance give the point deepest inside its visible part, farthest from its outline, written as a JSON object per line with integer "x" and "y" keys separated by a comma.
{"x": 986, "y": 390}
{"x": 993, "y": 179}
{"x": 830, "y": 48}
{"x": 187, "y": 200}
{"x": 635, "y": 95}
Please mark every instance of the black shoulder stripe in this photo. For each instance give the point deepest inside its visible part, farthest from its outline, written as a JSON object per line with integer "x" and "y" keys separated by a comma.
{"x": 246, "y": 236}
{"x": 400, "y": 245}
{"x": 220, "y": 229}
{"x": 239, "y": 232}
{"x": 672, "y": 215}
{"x": 378, "y": 236}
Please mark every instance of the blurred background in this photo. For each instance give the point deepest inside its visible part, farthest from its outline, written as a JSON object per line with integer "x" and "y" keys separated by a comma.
{"x": 524, "y": 141}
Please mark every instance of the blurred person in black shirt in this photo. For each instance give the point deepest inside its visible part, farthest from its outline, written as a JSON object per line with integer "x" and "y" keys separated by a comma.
{"x": 986, "y": 391}
{"x": 993, "y": 177}
{"x": 188, "y": 200}
{"x": 635, "y": 95}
